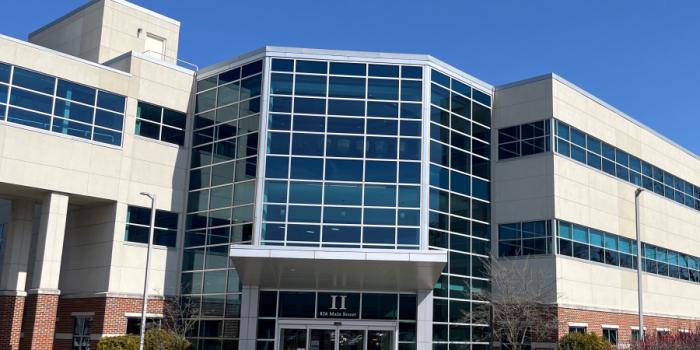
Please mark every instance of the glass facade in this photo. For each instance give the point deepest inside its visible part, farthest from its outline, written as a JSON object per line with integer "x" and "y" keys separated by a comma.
{"x": 220, "y": 203}
{"x": 343, "y": 155}
{"x": 344, "y": 167}
{"x": 44, "y": 102}
{"x": 459, "y": 216}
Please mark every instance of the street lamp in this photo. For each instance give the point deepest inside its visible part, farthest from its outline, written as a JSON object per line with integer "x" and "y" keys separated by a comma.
{"x": 151, "y": 228}
{"x": 640, "y": 298}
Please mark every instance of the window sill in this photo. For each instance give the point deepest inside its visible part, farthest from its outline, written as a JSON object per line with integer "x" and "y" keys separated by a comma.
{"x": 145, "y": 245}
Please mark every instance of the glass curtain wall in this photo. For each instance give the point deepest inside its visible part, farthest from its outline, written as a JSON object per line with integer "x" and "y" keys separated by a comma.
{"x": 460, "y": 120}
{"x": 343, "y": 155}
{"x": 220, "y": 200}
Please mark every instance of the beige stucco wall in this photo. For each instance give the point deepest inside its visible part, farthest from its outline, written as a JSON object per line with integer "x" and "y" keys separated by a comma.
{"x": 105, "y": 29}
{"x": 77, "y": 34}
{"x": 101, "y": 180}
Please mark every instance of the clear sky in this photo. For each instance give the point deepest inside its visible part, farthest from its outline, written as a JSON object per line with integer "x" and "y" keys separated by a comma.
{"x": 642, "y": 57}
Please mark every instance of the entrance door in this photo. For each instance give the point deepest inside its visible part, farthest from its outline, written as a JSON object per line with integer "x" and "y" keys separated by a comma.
{"x": 321, "y": 337}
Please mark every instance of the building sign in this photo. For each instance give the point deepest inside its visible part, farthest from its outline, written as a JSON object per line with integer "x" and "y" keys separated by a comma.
{"x": 338, "y": 305}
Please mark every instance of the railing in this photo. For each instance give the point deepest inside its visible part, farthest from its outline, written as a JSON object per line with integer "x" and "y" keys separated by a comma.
{"x": 181, "y": 63}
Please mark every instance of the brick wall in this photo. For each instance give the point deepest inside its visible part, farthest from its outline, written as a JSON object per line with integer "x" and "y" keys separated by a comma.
{"x": 625, "y": 322}
{"x": 108, "y": 316}
{"x": 11, "y": 312}
{"x": 39, "y": 322}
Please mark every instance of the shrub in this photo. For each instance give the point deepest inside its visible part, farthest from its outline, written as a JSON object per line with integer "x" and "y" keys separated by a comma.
{"x": 160, "y": 339}
{"x": 583, "y": 341}
{"x": 670, "y": 342}
{"x": 122, "y": 342}
{"x": 156, "y": 339}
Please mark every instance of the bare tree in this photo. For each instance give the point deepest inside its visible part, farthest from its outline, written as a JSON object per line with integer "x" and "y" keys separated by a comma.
{"x": 519, "y": 305}
{"x": 179, "y": 316}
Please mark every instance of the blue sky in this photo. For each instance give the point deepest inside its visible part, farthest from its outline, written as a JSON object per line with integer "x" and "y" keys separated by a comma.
{"x": 642, "y": 57}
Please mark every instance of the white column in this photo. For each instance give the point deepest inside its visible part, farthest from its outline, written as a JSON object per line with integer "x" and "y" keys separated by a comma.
{"x": 49, "y": 244}
{"x": 249, "y": 317}
{"x": 18, "y": 239}
{"x": 424, "y": 320}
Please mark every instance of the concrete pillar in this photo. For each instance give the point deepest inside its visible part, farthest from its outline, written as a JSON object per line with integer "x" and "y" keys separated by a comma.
{"x": 424, "y": 320}
{"x": 249, "y": 317}
{"x": 13, "y": 272}
{"x": 41, "y": 304}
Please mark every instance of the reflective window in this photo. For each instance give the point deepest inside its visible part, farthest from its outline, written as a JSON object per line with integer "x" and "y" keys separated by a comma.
{"x": 526, "y": 238}
{"x": 523, "y": 140}
{"x": 160, "y": 123}
{"x": 45, "y": 102}
{"x": 138, "y": 221}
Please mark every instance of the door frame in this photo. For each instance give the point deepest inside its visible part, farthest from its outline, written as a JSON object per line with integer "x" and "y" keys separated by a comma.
{"x": 336, "y": 325}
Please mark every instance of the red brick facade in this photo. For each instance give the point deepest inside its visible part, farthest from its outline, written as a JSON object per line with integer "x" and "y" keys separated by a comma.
{"x": 107, "y": 319}
{"x": 11, "y": 312}
{"x": 45, "y": 321}
{"x": 39, "y": 321}
{"x": 625, "y": 321}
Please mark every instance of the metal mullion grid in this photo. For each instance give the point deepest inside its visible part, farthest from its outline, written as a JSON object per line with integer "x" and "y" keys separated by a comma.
{"x": 160, "y": 123}
{"x": 364, "y": 166}
{"x": 10, "y": 86}
{"x": 398, "y": 167}
{"x": 323, "y": 168}
{"x": 289, "y": 160}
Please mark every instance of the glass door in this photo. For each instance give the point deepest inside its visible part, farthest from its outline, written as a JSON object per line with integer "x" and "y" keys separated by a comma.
{"x": 293, "y": 339}
{"x": 322, "y": 337}
{"x": 351, "y": 339}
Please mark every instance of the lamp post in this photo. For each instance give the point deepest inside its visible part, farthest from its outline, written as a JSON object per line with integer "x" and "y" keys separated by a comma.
{"x": 151, "y": 228}
{"x": 640, "y": 298}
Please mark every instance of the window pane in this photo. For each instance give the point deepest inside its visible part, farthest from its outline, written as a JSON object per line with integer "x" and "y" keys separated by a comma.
{"x": 31, "y": 100}
{"x": 344, "y": 146}
{"x": 307, "y": 144}
{"x": 73, "y": 111}
{"x": 381, "y": 70}
{"x": 381, "y": 195}
{"x": 33, "y": 80}
{"x": 343, "y": 194}
{"x": 281, "y": 83}
{"x": 342, "y": 68}
{"x": 306, "y": 168}
{"x": 305, "y": 192}
{"x": 383, "y": 89}
{"x": 111, "y": 120}
{"x": 310, "y": 85}
{"x": 76, "y": 92}
{"x": 411, "y": 90}
{"x": 68, "y": 127}
{"x": 28, "y": 118}
{"x": 346, "y": 87}
{"x": 111, "y": 101}
{"x": 344, "y": 170}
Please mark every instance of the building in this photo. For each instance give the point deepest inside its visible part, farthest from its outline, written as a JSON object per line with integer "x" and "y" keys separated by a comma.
{"x": 318, "y": 199}
{"x": 564, "y": 205}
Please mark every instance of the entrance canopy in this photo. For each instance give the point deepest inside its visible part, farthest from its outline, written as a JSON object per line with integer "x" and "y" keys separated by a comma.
{"x": 337, "y": 268}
